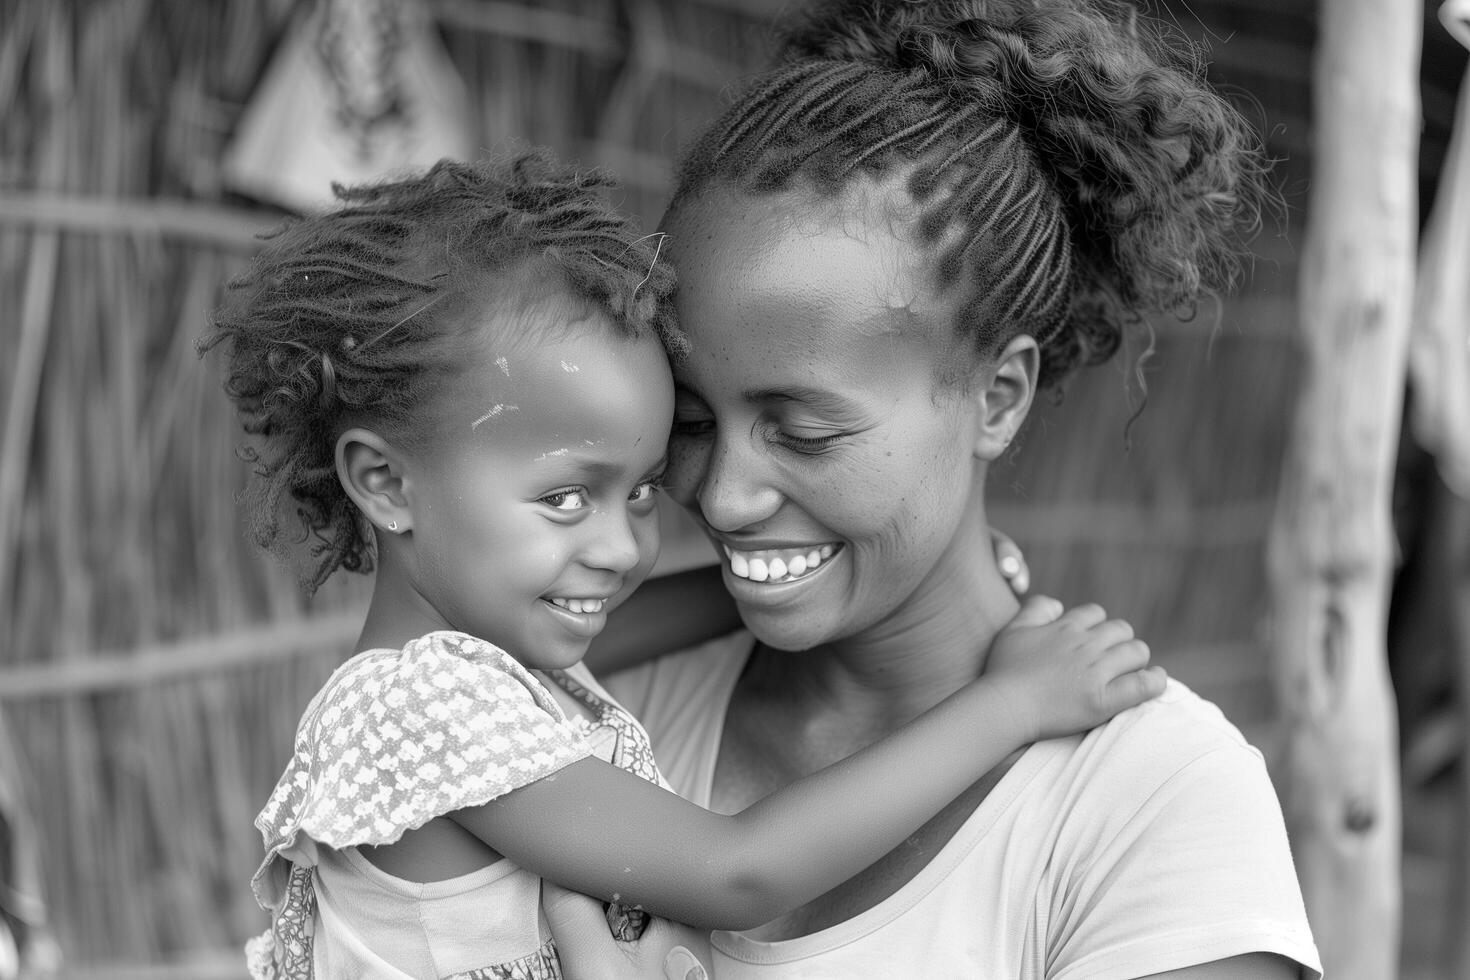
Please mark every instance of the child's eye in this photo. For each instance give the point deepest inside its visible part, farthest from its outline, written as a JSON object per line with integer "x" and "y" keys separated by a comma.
{"x": 572, "y": 498}
{"x": 644, "y": 492}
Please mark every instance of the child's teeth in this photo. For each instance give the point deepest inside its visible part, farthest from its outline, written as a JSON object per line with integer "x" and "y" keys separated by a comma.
{"x": 778, "y": 568}
{"x": 826, "y": 551}
{"x": 739, "y": 565}
{"x": 758, "y": 570}
{"x": 798, "y": 565}
{"x": 813, "y": 558}
{"x": 580, "y": 605}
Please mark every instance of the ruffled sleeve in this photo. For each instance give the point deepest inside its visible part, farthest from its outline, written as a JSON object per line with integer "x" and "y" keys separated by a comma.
{"x": 396, "y": 738}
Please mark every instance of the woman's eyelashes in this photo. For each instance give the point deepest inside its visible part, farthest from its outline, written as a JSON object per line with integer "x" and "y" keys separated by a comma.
{"x": 806, "y": 444}
{"x": 803, "y": 435}
{"x": 692, "y": 428}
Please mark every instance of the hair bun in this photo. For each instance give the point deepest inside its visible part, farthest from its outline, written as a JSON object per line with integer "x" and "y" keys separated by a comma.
{"x": 1159, "y": 174}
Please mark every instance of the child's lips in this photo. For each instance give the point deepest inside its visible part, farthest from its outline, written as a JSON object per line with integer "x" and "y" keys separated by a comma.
{"x": 587, "y": 605}
{"x": 584, "y": 617}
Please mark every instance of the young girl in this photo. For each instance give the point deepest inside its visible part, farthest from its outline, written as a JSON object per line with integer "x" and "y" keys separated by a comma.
{"x": 459, "y": 382}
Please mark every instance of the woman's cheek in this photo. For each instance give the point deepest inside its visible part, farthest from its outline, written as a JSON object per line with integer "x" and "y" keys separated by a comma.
{"x": 688, "y": 463}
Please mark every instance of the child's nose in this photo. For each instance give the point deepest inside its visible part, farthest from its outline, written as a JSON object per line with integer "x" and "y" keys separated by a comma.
{"x": 613, "y": 544}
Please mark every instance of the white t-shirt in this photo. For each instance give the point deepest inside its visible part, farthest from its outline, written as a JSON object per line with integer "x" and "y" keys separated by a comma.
{"x": 1152, "y": 843}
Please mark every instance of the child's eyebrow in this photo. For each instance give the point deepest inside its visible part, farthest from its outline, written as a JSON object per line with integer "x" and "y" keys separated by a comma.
{"x": 602, "y": 470}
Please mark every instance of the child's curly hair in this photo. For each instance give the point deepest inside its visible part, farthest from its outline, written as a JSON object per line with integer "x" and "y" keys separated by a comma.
{"x": 357, "y": 316}
{"x": 1074, "y": 168}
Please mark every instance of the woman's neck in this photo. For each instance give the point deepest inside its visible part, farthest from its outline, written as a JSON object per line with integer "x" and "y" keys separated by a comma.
{"x": 931, "y": 645}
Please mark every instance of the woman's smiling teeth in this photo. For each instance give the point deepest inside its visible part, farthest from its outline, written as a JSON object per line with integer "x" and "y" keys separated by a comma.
{"x": 777, "y": 565}
{"x": 577, "y": 605}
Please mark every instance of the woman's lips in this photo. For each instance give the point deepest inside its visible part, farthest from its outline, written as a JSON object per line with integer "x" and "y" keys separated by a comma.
{"x": 777, "y": 566}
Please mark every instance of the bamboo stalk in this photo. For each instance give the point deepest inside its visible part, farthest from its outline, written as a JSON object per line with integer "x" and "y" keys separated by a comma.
{"x": 223, "y": 227}
{"x": 150, "y": 664}
{"x": 575, "y": 32}
{"x": 1331, "y": 549}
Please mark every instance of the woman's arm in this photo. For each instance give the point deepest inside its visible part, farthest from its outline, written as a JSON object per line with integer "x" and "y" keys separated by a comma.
{"x": 599, "y": 830}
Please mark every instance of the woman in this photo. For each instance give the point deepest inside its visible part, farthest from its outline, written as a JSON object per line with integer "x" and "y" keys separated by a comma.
{"x": 886, "y": 246}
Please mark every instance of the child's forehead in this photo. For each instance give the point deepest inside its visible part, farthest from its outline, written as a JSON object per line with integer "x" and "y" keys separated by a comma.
{"x": 530, "y": 315}
{"x": 580, "y": 388}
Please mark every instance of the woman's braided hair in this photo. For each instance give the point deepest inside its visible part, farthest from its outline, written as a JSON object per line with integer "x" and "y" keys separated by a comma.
{"x": 358, "y": 316}
{"x": 1073, "y": 168}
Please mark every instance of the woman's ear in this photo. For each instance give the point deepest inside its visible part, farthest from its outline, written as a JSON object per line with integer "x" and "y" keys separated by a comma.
{"x": 1003, "y": 398}
{"x": 372, "y": 473}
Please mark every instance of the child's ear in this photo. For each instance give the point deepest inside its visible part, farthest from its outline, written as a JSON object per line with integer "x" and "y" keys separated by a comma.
{"x": 372, "y": 473}
{"x": 1003, "y": 397}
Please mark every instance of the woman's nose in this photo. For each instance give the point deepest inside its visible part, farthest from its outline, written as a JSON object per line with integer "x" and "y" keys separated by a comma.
{"x": 734, "y": 491}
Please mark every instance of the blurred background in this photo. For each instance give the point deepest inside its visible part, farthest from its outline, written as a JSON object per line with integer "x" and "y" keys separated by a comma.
{"x": 153, "y": 664}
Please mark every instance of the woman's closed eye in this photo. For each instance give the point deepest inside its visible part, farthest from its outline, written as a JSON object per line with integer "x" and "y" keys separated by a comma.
{"x": 806, "y": 444}
{"x": 692, "y": 426}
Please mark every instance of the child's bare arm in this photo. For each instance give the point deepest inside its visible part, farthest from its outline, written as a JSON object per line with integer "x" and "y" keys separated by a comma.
{"x": 599, "y": 830}
{"x": 1066, "y": 672}
{"x": 668, "y": 613}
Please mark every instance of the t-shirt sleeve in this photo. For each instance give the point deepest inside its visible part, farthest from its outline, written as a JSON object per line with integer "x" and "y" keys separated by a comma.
{"x": 1200, "y": 871}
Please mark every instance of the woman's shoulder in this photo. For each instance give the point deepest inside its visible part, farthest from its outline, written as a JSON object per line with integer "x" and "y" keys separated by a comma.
{"x": 1177, "y": 740}
{"x": 1181, "y": 715}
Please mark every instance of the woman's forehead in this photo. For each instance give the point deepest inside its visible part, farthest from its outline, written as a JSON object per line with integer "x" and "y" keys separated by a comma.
{"x": 798, "y": 280}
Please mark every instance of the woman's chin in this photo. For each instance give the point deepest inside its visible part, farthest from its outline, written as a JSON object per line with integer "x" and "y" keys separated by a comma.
{"x": 790, "y": 628}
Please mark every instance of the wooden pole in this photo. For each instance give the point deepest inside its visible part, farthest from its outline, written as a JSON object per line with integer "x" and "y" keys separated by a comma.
{"x": 1331, "y": 548}
{"x": 1439, "y": 373}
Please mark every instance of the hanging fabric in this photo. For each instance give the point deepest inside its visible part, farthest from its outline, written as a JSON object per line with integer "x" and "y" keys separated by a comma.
{"x": 359, "y": 89}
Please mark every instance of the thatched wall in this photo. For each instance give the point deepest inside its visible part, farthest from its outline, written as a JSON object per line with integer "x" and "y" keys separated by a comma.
{"x": 152, "y": 665}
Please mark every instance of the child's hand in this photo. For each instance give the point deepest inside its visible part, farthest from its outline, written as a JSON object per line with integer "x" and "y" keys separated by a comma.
{"x": 666, "y": 949}
{"x": 1069, "y": 671}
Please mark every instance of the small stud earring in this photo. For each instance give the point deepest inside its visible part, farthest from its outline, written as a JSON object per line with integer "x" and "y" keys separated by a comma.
{"x": 393, "y": 526}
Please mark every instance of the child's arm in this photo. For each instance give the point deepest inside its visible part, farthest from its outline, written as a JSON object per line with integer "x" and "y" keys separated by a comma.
{"x": 668, "y": 613}
{"x": 602, "y": 831}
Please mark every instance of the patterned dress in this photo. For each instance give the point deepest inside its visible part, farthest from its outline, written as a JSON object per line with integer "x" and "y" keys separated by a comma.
{"x": 394, "y": 739}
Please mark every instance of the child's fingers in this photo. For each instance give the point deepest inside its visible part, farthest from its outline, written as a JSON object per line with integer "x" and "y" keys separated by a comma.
{"x": 1110, "y": 633}
{"x": 1085, "y": 616}
{"x": 1037, "y": 610}
{"x": 1134, "y": 687}
{"x": 1121, "y": 657}
{"x": 1011, "y": 562}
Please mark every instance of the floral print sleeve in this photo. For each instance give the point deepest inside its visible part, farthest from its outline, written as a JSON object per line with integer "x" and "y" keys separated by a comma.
{"x": 398, "y": 737}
